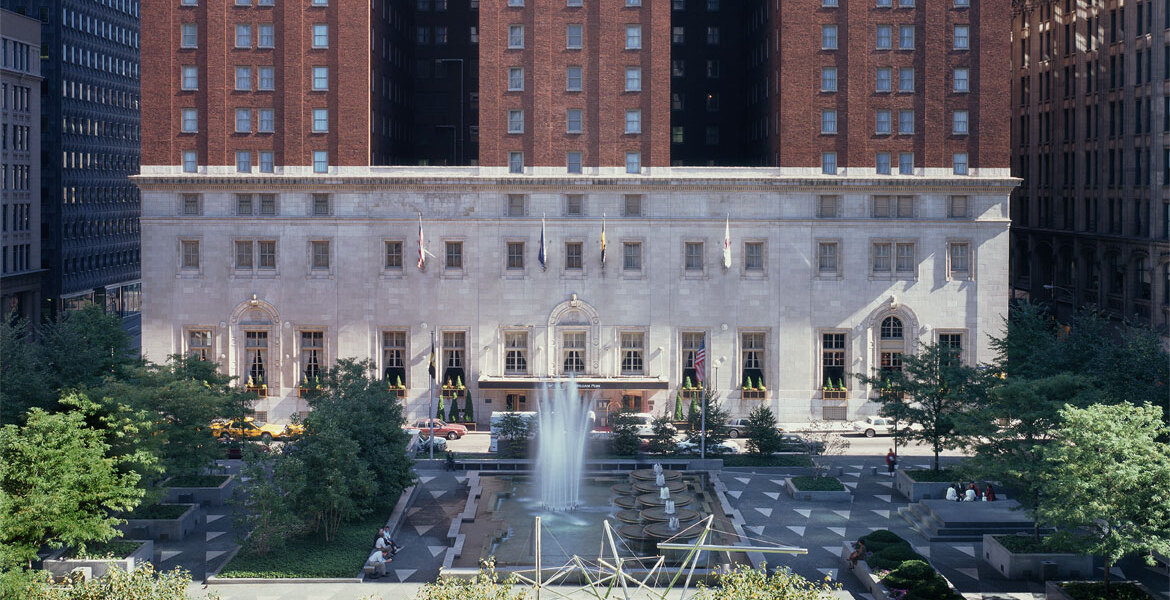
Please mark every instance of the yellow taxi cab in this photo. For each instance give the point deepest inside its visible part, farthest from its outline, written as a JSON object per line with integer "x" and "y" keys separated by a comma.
{"x": 248, "y": 430}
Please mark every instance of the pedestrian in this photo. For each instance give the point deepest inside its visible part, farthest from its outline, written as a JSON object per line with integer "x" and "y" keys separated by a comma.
{"x": 450, "y": 461}
{"x": 989, "y": 493}
{"x": 857, "y": 554}
{"x": 378, "y": 561}
{"x": 891, "y": 461}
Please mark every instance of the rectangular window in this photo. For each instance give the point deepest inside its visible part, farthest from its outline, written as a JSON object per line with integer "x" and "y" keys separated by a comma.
{"x": 962, "y": 37}
{"x": 574, "y": 36}
{"x": 320, "y": 161}
{"x": 752, "y": 347}
{"x": 884, "y": 79}
{"x": 268, "y": 205}
{"x": 394, "y": 358}
{"x": 633, "y": 347}
{"x": 190, "y": 121}
{"x": 320, "y": 78}
{"x": 633, "y": 37}
{"x": 827, "y": 258}
{"x": 393, "y": 255}
{"x": 454, "y": 350}
{"x": 320, "y": 35}
{"x": 833, "y": 360}
{"x": 960, "y": 260}
{"x": 267, "y": 162}
{"x": 320, "y": 255}
{"x": 515, "y": 79}
{"x": 633, "y": 121}
{"x": 753, "y": 256}
{"x": 904, "y": 263}
{"x": 959, "y": 122}
{"x": 199, "y": 345}
{"x": 515, "y": 121}
{"x": 633, "y": 79}
{"x": 632, "y": 205}
{"x": 905, "y": 163}
{"x": 574, "y": 205}
{"x": 962, "y": 80}
{"x": 267, "y": 79}
{"x": 321, "y": 206}
{"x": 267, "y": 121}
{"x": 906, "y": 122}
{"x": 828, "y": 37}
{"x": 678, "y": 35}
{"x": 243, "y": 36}
{"x": 692, "y": 341}
{"x": 190, "y": 36}
{"x": 243, "y": 79}
{"x": 515, "y": 255}
{"x": 885, "y": 37}
{"x": 828, "y": 121}
{"x": 320, "y": 120}
{"x": 573, "y": 120}
{"x": 957, "y": 207}
{"x": 189, "y": 77}
{"x": 573, "y": 258}
{"x": 883, "y": 123}
{"x": 959, "y": 161}
{"x": 517, "y": 205}
{"x": 515, "y": 162}
{"x": 829, "y": 163}
{"x": 244, "y": 204}
{"x": 712, "y": 35}
{"x": 573, "y": 352}
{"x": 632, "y": 256}
{"x": 693, "y": 256}
{"x": 828, "y": 206}
{"x": 190, "y": 204}
{"x": 573, "y": 79}
{"x": 190, "y": 161}
{"x": 516, "y": 353}
{"x": 573, "y": 162}
{"x": 882, "y": 258}
{"x": 267, "y": 36}
{"x": 190, "y": 254}
{"x": 515, "y": 36}
{"x": 633, "y": 162}
{"x": 906, "y": 79}
{"x": 883, "y": 163}
{"x": 244, "y": 255}
{"x": 828, "y": 79}
{"x": 454, "y": 255}
{"x": 243, "y": 120}
{"x": 243, "y": 162}
{"x": 905, "y": 37}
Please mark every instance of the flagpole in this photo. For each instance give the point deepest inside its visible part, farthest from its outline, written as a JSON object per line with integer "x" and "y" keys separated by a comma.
{"x": 431, "y": 398}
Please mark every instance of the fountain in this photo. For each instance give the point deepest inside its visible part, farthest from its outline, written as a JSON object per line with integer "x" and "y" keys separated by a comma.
{"x": 560, "y": 461}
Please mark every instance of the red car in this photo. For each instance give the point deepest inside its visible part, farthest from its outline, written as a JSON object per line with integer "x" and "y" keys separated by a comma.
{"x": 451, "y": 431}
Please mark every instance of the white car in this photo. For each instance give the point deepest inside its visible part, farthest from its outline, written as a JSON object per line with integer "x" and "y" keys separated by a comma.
{"x": 872, "y": 426}
{"x": 646, "y": 424}
{"x": 724, "y": 447}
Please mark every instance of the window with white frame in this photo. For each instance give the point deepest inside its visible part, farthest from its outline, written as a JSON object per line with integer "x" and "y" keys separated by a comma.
{"x": 959, "y": 254}
{"x": 516, "y": 353}
{"x": 515, "y": 79}
{"x": 634, "y": 121}
{"x": 243, "y": 161}
{"x": 691, "y": 342}
{"x": 573, "y": 79}
{"x": 320, "y": 35}
{"x": 962, "y": 79}
{"x": 267, "y": 36}
{"x": 828, "y": 121}
{"x": 829, "y": 163}
{"x": 394, "y": 358}
{"x": 905, "y": 37}
{"x": 753, "y": 256}
{"x": 833, "y": 360}
{"x": 959, "y": 162}
{"x": 266, "y": 78}
{"x": 573, "y": 352}
{"x": 828, "y": 37}
{"x": 320, "y": 161}
{"x": 885, "y": 37}
{"x": 906, "y": 121}
{"x": 573, "y": 162}
{"x": 243, "y": 36}
{"x": 573, "y": 120}
{"x": 952, "y": 344}
{"x": 884, "y": 79}
{"x": 320, "y": 120}
{"x": 190, "y": 122}
{"x": 266, "y": 123}
{"x": 753, "y": 358}
{"x": 320, "y": 78}
{"x": 883, "y": 122}
{"x": 906, "y": 3}
{"x": 199, "y": 344}
{"x": 243, "y": 120}
{"x": 515, "y": 121}
{"x": 267, "y": 161}
{"x": 256, "y": 359}
{"x": 515, "y": 162}
{"x": 454, "y": 352}
{"x": 827, "y": 263}
{"x": 633, "y": 162}
{"x": 189, "y": 254}
{"x": 633, "y": 348}
{"x": 574, "y": 36}
{"x": 319, "y": 258}
{"x": 633, "y": 79}
{"x": 633, "y": 37}
{"x": 906, "y": 79}
{"x": 882, "y": 160}
{"x": 189, "y": 77}
{"x": 904, "y": 261}
{"x": 515, "y": 36}
{"x": 190, "y": 161}
{"x": 828, "y": 79}
{"x": 190, "y": 35}
{"x": 905, "y": 163}
{"x": 393, "y": 255}
{"x": 885, "y": 3}
{"x": 882, "y": 258}
{"x": 243, "y": 79}
{"x": 962, "y": 37}
{"x": 959, "y": 122}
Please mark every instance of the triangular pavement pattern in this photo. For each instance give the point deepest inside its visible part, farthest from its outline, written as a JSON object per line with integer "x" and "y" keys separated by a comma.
{"x": 744, "y": 480}
{"x": 437, "y": 493}
{"x": 767, "y": 512}
{"x": 756, "y": 529}
{"x": 850, "y": 484}
{"x": 837, "y": 530}
{"x": 923, "y": 550}
{"x": 832, "y": 573}
{"x": 972, "y": 573}
{"x": 735, "y": 494}
{"x": 779, "y": 482}
{"x": 403, "y": 574}
{"x": 858, "y": 467}
{"x": 803, "y": 511}
{"x": 968, "y": 550}
{"x": 421, "y": 529}
{"x": 214, "y": 554}
{"x": 773, "y": 495}
{"x": 797, "y": 530}
{"x": 857, "y": 474}
{"x": 883, "y": 498}
{"x": 166, "y": 555}
{"x": 211, "y": 535}
{"x": 436, "y": 550}
{"x": 885, "y": 514}
{"x": 426, "y": 480}
{"x": 888, "y": 484}
{"x": 834, "y": 550}
{"x": 214, "y": 518}
{"x": 461, "y": 479}
{"x": 842, "y": 513}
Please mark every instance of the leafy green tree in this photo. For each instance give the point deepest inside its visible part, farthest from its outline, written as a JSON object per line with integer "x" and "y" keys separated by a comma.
{"x": 268, "y": 484}
{"x": 58, "y": 486}
{"x": 763, "y": 436}
{"x": 22, "y": 377}
{"x": 662, "y": 442}
{"x": 1011, "y": 426}
{"x": 716, "y": 419}
{"x": 338, "y": 483}
{"x": 369, "y": 413}
{"x": 81, "y": 348}
{"x": 513, "y": 434}
{"x": 929, "y": 394}
{"x": 1107, "y": 489}
{"x": 747, "y": 583}
{"x": 624, "y": 426}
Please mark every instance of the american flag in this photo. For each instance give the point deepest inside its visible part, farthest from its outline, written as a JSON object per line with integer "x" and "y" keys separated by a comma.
{"x": 700, "y": 362}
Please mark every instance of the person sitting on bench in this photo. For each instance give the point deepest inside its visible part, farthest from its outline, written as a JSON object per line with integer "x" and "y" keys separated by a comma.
{"x": 378, "y": 561}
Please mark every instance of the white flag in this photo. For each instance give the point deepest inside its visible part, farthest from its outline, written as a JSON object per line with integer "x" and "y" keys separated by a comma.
{"x": 727, "y": 243}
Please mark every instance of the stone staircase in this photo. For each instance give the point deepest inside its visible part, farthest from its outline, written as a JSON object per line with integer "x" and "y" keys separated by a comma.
{"x": 948, "y": 521}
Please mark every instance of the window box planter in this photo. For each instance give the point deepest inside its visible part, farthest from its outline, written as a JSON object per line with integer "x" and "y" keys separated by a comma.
{"x": 1054, "y": 590}
{"x": 305, "y": 392}
{"x": 915, "y": 490}
{"x": 259, "y": 390}
{"x": 751, "y": 394}
{"x": 400, "y": 392}
{"x": 163, "y": 529}
{"x": 1034, "y": 565}
{"x": 818, "y": 495}
{"x": 185, "y": 490}
{"x": 63, "y": 563}
{"x": 834, "y": 394}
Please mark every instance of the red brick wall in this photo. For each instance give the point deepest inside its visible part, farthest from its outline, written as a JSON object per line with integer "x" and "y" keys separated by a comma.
{"x": 796, "y": 70}
{"x": 545, "y": 101}
{"x": 348, "y": 59}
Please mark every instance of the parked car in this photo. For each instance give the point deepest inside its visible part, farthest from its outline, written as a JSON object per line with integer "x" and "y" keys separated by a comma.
{"x": 735, "y": 427}
{"x": 872, "y": 426}
{"x": 646, "y": 424}
{"x": 451, "y": 431}
{"x": 425, "y": 441}
{"x": 724, "y": 447}
{"x": 791, "y": 442}
{"x": 248, "y": 430}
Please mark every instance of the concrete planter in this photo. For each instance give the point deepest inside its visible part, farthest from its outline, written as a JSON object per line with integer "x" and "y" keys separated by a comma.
{"x": 204, "y": 496}
{"x": 1038, "y": 566}
{"x": 919, "y": 490}
{"x": 164, "y": 530}
{"x": 99, "y": 566}
{"x": 1053, "y": 591}
{"x": 817, "y": 496}
{"x": 870, "y": 581}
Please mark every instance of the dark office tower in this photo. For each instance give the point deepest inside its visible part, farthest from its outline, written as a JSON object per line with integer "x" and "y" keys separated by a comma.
{"x": 1090, "y": 131}
{"x": 446, "y": 82}
{"x": 709, "y": 63}
{"x": 90, "y": 95}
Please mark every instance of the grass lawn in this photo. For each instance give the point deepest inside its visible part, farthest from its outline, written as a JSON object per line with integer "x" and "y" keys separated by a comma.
{"x": 818, "y": 484}
{"x": 308, "y": 556}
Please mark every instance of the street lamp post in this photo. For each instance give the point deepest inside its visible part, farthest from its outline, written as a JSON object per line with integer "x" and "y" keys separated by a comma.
{"x": 462, "y": 99}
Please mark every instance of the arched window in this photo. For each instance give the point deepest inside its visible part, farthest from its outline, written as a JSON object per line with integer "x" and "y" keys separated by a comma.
{"x": 1142, "y": 278}
{"x": 891, "y": 328}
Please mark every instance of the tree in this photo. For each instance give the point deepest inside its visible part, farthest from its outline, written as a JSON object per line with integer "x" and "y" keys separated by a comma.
{"x": 928, "y": 395}
{"x": 81, "y": 348}
{"x": 747, "y": 583}
{"x": 268, "y": 484}
{"x": 825, "y": 442}
{"x": 1011, "y": 426}
{"x": 339, "y": 484}
{"x": 1110, "y": 469}
{"x": 678, "y": 407}
{"x": 513, "y": 433}
{"x": 624, "y": 426}
{"x": 366, "y": 411}
{"x": 22, "y": 377}
{"x": 763, "y": 437}
{"x": 716, "y": 418}
{"x": 662, "y": 440}
{"x": 58, "y": 486}
{"x": 468, "y": 408}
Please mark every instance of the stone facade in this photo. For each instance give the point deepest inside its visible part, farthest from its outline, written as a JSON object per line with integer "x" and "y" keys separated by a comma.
{"x": 784, "y": 291}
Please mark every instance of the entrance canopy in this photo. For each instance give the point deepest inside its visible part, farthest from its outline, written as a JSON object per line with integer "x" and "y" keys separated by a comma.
{"x": 583, "y": 383}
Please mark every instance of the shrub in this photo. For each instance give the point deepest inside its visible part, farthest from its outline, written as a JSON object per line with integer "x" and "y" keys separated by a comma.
{"x": 932, "y": 589}
{"x": 625, "y": 440}
{"x": 891, "y": 557}
{"x": 926, "y": 475}
{"x": 746, "y": 583}
{"x": 881, "y": 539}
{"x": 1095, "y": 590}
{"x": 818, "y": 484}
{"x": 908, "y": 575}
{"x": 485, "y": 586}
{"x": 143, "y": 583}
